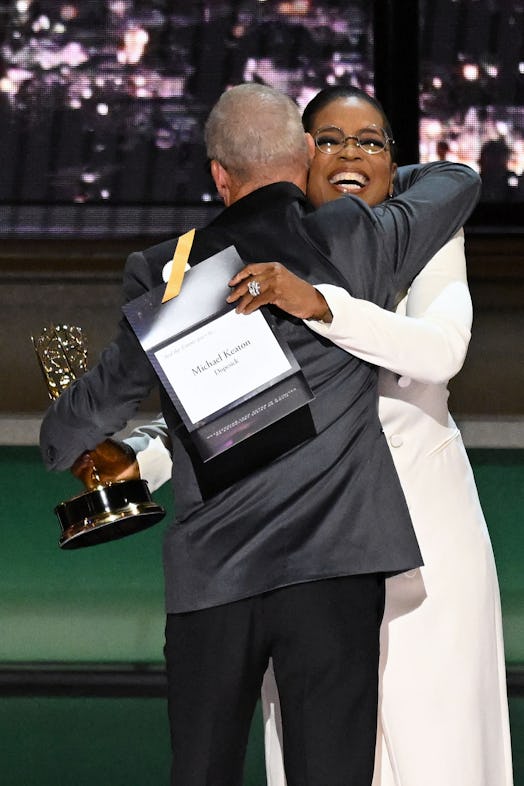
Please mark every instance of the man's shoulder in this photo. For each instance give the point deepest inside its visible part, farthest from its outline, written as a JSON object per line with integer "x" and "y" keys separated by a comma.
{"x": 340, "y": 219}
{"x": 148, "y": 264}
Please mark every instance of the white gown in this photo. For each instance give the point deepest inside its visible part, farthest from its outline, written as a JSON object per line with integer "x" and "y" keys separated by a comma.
{"x": 443, "y": 715}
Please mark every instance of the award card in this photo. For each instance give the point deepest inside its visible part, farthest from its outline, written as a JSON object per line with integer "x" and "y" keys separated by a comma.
{"x": 229, "y": 375}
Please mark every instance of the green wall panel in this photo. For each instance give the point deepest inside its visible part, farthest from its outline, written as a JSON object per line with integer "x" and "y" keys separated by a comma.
{"x": 500, "y": 480}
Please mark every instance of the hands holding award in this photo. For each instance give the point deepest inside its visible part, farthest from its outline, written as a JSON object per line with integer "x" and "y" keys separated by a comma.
{"x": 109, "y": 462}
{"x": 117, "y": 502}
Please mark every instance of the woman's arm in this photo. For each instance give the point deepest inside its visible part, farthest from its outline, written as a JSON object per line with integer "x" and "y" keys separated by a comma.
{"x": 430, "y": 343}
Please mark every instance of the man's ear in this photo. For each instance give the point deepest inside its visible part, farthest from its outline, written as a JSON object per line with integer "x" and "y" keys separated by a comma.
{"x": 222, "y": 180}
{"x": 310, "y": 146}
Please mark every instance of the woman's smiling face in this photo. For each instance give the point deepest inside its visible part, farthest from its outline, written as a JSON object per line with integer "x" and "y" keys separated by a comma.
{"x": 351, "y": 170}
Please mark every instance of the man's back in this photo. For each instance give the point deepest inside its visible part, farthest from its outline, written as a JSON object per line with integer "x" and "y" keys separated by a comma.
{"x": 329, "y": 506}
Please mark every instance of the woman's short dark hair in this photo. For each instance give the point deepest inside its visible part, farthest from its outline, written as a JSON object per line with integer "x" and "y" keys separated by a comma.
{"x": 330, "y": 94}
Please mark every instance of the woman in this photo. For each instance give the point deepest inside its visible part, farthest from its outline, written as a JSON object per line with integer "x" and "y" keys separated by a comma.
{"x": 443, "y": 718}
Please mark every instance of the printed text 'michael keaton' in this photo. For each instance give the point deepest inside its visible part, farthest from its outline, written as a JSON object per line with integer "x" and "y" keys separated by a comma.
{"x": 222, "y": 357}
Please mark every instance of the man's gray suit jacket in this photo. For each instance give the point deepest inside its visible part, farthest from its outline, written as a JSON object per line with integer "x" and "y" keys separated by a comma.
{"x": 320, "y": 498}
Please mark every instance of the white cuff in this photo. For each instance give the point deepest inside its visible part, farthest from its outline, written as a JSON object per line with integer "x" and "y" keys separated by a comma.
{"x": 155, "y": 464}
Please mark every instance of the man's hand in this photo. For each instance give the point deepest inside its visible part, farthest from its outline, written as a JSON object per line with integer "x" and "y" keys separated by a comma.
{"x": 270, "y": 282}
{"x": 108, "y": 462}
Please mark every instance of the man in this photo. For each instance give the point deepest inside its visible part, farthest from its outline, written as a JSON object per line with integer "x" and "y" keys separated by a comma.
{"x": 286, "y": 559}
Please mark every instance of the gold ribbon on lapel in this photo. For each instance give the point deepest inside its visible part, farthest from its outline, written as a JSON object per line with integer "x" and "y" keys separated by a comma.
{"x": 178, "y": 265}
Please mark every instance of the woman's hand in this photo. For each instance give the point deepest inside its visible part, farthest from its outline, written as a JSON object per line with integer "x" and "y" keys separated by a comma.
{"x": 108, "y": 462}
{"x": 270, "y": 282}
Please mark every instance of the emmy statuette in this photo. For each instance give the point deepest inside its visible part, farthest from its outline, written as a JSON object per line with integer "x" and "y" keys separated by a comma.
{"x": 108, "y": 511}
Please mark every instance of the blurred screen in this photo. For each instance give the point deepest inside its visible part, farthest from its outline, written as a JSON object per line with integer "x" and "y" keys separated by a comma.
{"x": 103, "y": 102}
{"x": 472, "y": 90}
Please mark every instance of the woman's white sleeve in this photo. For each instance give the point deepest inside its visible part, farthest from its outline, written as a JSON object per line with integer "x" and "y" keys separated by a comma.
{"x": 430, "y": 342}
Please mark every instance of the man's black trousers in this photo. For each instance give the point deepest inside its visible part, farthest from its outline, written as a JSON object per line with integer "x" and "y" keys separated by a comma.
{"x": 323, "y": 637}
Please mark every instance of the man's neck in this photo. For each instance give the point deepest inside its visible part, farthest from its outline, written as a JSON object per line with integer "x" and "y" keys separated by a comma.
{"x": 240, "y": 190}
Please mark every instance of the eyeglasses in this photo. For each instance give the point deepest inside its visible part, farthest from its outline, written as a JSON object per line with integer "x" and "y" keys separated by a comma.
{"x": 331, "y": 140}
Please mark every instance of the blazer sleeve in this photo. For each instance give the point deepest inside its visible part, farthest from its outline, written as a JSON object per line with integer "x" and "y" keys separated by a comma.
{"x": 100, "y": 402}
{"x": 438, "y": 199}
{"x": 380, "y": 250}
{"x": 430, "y": 342}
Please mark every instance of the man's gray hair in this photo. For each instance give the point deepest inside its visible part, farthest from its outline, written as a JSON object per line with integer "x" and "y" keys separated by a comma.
{"x": 254, "y": 131}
